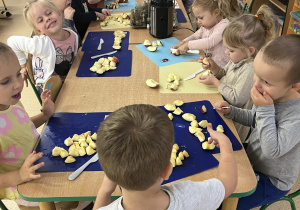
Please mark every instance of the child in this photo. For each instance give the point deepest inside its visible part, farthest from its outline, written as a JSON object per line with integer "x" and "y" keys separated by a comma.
{"x": 212, "y": 15}
{"x": 53, "y": 50}
{"x": 134, "y": 146}
{"x": 243, "y": 38}
{"x": 85, "y": 14}
{"x": 18, "y": 133}
{"x": 274, "y": 143}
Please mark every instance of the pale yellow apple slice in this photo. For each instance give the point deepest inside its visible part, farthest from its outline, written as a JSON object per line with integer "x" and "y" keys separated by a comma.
{"x": 178, "y": 161}
{"x": 63, "y": 153}
{"x": 189, "y": 117}
{"x": 178, "y": 103}
{"x": 181, "y": 156}
{"x": 175, "y": 146}
{"x": 94, "y": 136}
{"x": 92, "y": 144}
{"x": 203, "y": 123}
{"x": 205, "y": 61}
{"x": 70, "y": 159}
{"x": 173, "y": 155}
{"x": 176, "y": 82}
{"x": 152, "y": 48}
{"x": 194, "y": 123}
{"x": 88, "y": 139}
{"x": 170, "y": 116}
{"x": 203, "y": 109}
{"x": 68, "y": 141}
{"x": 56, "y": 151}
{"x": 89, "y": 150}
{"x": 74, "y": 152}
{"x": 170, "y": 107}
{"x": 75, "y": 137}
{"x": 193, "y": 130}
{"x": 220, "y": 128}
{"x": 159, "y": 43}
{"x": 152, "y": 83}
{"x": 86, "y": 134}
{"x": 81, "y": 151}
{"x": 83, "y": 144}
{"x": 175, "y": 51}
{"x": 185, "y": 154}
{"x": 173, "y": 86}
{"x": 170, "y": 78}
{"x": 147, "y": 43}
{"x": 173, "y": 162}
{"x": 200, "y": 136}
{"x": 207, "y": 146}
{"x": 178, "y": 111}
{"x": 174, "y": 150}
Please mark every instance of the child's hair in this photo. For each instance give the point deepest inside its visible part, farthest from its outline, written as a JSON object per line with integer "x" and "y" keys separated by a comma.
{"x": 212, "y": 5}
{"x": 251, "y": 30}
{"x": 5, "y": 49}
{"x": 134, "y": 145}
{"x": 284, "y": 52}
{"x": 37, "y": 3}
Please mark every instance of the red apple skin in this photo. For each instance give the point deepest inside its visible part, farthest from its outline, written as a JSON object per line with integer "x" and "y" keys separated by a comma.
{"x": 115, "y": 59}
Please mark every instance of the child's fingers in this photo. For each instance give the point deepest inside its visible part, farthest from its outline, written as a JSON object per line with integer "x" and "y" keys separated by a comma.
{"x": 37, "y": 166}
{"x": 34, "y": 176}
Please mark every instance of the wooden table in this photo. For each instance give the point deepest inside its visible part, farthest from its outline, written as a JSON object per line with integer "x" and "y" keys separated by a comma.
{"x": 107, "y": 94}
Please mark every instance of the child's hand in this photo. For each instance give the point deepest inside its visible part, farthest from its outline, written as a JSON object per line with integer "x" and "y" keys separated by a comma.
{"x": 205, "y": 66}
{"x": 219, "y": 105}
{"x": 209, "y": 80}
{"x": 106, "y": 12}
{"x": 27, "y": 171}
{"x": 178, "y": 45}
{"x": 183, "y": 48}
{"x": 213, "y": 67}
{"x": 217, "y": 138}
{"x": 260, "y": 99}
{"x": 48, "y": 105}
{"x": 24, "y": 75}
{"x": 69, "y": 13}
{"x": 100, "y": 16}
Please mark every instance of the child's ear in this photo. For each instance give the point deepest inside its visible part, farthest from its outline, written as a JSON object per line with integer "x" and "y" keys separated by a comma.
{"x": 296, "y": 87}
{"x": 217, "y": 11}
{"x": 165, "y": 174}
{"x": 252, "y": 50}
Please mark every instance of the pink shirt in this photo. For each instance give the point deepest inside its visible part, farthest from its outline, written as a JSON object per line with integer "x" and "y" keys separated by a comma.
{"x": 210, "y": 40}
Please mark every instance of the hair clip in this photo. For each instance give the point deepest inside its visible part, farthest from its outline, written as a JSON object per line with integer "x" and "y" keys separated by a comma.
{"x": 256, "y": 15}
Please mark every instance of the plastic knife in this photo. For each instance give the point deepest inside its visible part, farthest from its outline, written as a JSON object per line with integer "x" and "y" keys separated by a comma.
{"x": 97, "y": 56}
{"x": 194, "y": 75}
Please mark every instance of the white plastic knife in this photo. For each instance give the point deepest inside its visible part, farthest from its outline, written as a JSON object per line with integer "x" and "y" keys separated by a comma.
{"x": 79, "y": 170}
{"x": 194, "y": 75}
{"x": 97, "y": 56}
{"x": 100, "y": 44}
{"x": 193, "y": 51}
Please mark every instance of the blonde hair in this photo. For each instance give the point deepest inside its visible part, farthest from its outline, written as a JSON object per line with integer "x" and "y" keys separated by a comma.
{"x": 36, "y": 3}
{"x": 134, "y": 145}
{"x": 251, "y": 30}
{"x": 212, "y": 5}
{"x": 284, "y": 52}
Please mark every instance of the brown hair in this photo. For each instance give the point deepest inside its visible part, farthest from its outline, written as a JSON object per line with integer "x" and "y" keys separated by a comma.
{"x": 284, "y": 52}
{"x": 134, "y": 145}
{"x": 212, "y": 5}
{"x": 5, "y": 51}
{"x": 37, "y": 3}
{"x": 251, "y": 30}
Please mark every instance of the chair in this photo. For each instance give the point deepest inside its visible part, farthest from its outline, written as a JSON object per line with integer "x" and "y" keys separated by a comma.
{"x": 2, "y": 206}
{"x": 288, "y": 198}
{"x": 4, "y": 5}
{"x": 54, "y": 84}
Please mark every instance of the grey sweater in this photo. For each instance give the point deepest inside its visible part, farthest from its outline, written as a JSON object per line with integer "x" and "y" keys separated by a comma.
{"x": 274, "y": 143}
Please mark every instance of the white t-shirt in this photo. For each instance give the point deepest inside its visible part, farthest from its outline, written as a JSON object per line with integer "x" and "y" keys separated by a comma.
{"x": 206, "y": 195}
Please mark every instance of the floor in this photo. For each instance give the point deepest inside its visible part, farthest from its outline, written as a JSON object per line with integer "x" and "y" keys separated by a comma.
{"x": 16, "y": 25}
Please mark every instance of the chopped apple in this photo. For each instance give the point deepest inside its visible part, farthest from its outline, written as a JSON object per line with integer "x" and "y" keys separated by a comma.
{"x": 159, "y": 43}
{"x": 200, "y": 136}
{"x": 185, "y": 154}
{"x": 116, "y": 46}
{"x": 189, "y": 117}
{"x": 173, "y": 155}
{"x": 86, "y": 134}
{"x": 205, "y": 61}
{"x": 81, "y": 151}
{"x": 193, "y": 130}
{"x": 220, "y": 128}
{"x": 92, "y": 144}
{"x": 63, "y": 153}
{"x": 207, "y": 146}
{"x": 203, "y": 123}
{"x": 178, "y": 103}
{"x": 94, "y": 68}
{"x": 152, "y": 48}
{"x": 203, "y": 109}
{"x": 170, "y": 116}
{"x": 75, "y": 137}
{"x": 177, "y": 77}
{"x": 83, "y": 144}
{"x": 147, "y": 43}
{"x": 173, "y": 162}
{"x": 56, "y": 151}
{"x": 170, "y": 78}
{"x": 90, "y": 150}
{"x": 100, "y": 71}
{"x": 178, "y": 161}
{"x": 115, "y": 59}
{"x": 175, "y": 51}
{"x": 88, "y": 139}
{"x": 154, "y": 44}
{"x": 181, "y": 156}
{"x": 174, "y": 150}
{"x": 176, "y": 82}
{"x": 178, "y": 111}
{"x": 173, "y": 86}
{"x": 74, "y": 152}
{"x": 70, "y": 159}
{"x": 175, "y": 146}
{"x": 81, "y": 138}
{"x": 170, "y": 107}
{"x": 68, "y": 141}
{"x": 94, "y": 136}
{"x": 152, "y": 83}
{"x": 194, "y": 123}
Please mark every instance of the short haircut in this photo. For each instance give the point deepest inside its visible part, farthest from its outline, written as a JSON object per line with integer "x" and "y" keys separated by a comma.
{"x": 134, "y": 145}
{"x": 284, "y": 52}
{"x": 5, "y": 51}
{"x": 251, "y": 30}
{"x": 37, "y": 3}
{"x": 212, "y": 5}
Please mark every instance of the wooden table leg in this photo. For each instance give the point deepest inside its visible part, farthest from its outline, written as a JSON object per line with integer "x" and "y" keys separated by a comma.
{"x": 47, "y": 206}
{"x": 230, "y": 203}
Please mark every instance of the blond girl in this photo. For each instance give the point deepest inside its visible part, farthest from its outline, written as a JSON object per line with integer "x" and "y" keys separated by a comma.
{"x": 243, "y": 38}
{"x": 213, "y": 16}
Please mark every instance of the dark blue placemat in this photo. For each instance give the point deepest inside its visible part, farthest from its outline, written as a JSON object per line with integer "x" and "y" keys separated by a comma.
{"x": 123, "y": 66}
{"x": 63, "y": 125}
{"x": 180, "y": 16}
{"x": 93, "y": 38}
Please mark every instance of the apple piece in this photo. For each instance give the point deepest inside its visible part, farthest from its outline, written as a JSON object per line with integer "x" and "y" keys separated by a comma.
{"x": 178, "y": 111}
{"x": 68, "y": 141}
{"x": 116, "y": 46}
{"x": 206, "y": 73}
{"x": 170, "y": 116}
{"x": 90, "y": 150}
{"x": 74, "y": 152}
{"x": 173, "y": 155}
{"x": 203, "y": 109}
{"x": 181, "y": 156}
{"x": 92, "y": 144}
{"x": 112, "y": 64}
{"x": 100, "y": 71}
{"x": 205, "y": 61}
{"x": 173, "y": 162}
{"x": 185, "y": 154}
{"x": 174, "y": 150}
{"x": 56, "y": 151}
{"x": 175, "y": 51}
{"x": 152, "y": 48}
{"x": 94, "y": 136}
{"x": 152, "y": 83}
{"x": 81, "y": 138}
{"x": 175, "y": 146}
{"x": 159, "y": 43}
{"x": 203, "y": 123}
{"x": 154, "y": 44}
{"x": 178, "y": 103}
{"x": 115, "y": 59}
{"x": 88, "y": 139}
{"x": 70, "y": 159}
{"x": 101, "y": 60}
{"x": 170, "y": 77}
{"x": 207, "y": 146}
{"x": 112, "y": 68}
{"x": 177, "y": 77}
{"x": 173, "y": 86}
{"x": 147, "y": 43}
{"x": 220, "y": 128}
{"x": 94, "y": 68}
{"x": 176, "y": 82}
{"x": 193, "y": 130}
{"x": 63, "y": 153}
{"x": 170, "y": 107}
{"x": 81, "y": 151}
{"x": 75, "y": 137}
{"x": 83, "y": 144}
{"x": 200, "y": 136}
{"x": 194, "y": 123}
{"x": 178, "y": 161}
{"x": 189, "y": 117}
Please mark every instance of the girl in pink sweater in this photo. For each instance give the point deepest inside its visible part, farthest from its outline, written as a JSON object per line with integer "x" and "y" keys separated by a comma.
{"x": 212, "y": 16}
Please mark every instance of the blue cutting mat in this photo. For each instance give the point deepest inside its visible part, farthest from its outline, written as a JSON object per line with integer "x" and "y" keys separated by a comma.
{"x": 123, "y": 66}
{"x": 122, "y": 6}
{"x": 63, "y": 125}
{"x": 180, "y": 16}
{"x": 93, "y": 38}
{"x": 163, "y": 52}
